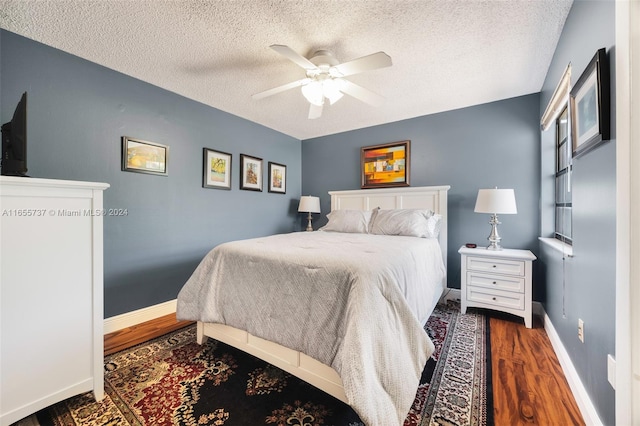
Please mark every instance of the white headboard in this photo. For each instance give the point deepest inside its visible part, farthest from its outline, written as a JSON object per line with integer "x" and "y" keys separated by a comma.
{"x": 420, "y": 197}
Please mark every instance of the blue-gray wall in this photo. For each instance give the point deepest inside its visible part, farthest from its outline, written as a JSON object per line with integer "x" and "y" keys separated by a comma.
{"x": 495, "y": 144}
{"x": 584, "y": 286}
{"x": 77, "y": 113}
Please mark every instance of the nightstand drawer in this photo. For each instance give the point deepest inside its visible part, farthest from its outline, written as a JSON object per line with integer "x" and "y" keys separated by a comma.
{"x": 499, "y": 282}
{"x": 500, "y": 299}
{"x": 496, "y": 266}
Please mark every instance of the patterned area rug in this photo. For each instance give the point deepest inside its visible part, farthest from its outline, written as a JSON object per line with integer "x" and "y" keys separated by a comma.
{"x": 174, "y": 381}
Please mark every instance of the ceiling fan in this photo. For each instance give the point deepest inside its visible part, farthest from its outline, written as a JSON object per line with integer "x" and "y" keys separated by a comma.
{"x": 325, "y": 78}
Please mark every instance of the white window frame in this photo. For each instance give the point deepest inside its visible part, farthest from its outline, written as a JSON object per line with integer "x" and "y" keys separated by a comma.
{"x": 563, "y": 170}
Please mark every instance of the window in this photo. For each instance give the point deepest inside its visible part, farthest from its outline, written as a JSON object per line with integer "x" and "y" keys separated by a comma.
{"x": 557, "y": 112}
{"x": 563, "y": 178}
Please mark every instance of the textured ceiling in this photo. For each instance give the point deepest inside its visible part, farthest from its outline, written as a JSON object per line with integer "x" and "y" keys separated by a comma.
{"x": 446, "y": 54}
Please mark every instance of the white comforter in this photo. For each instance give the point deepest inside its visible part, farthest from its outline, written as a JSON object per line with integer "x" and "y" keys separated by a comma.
{"x": 352, "y": 301}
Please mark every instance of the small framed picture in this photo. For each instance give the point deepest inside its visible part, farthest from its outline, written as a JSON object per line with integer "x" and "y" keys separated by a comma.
{"x": 277, "y": 178}
{"x": 144, "y": 157}
{"x": 250, "y": 173}
{"x": 385, "y": 165}
{"x": 216, "y": 169}
{"x": 590, "y": 106}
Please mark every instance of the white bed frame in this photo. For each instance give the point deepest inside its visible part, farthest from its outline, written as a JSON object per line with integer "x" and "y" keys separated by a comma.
{"x": 297, "y": 363}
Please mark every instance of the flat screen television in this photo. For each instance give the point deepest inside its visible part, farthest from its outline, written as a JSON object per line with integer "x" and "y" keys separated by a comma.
{"x": 14, "y": 142}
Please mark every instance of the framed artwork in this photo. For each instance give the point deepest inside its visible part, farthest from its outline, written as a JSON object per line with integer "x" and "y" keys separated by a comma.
{"x": 385, "y": 165}
{"x": 277, "y": 178}
{"x": 216, "y": 169}
{"x": 250, "y": 173}
{"x": 590, "y": 106}
{"x": 144, "y": 157}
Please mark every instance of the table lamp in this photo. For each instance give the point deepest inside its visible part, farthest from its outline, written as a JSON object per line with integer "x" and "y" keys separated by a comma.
{"x": 309, "y": 204}
{"x": 495, "y": 201}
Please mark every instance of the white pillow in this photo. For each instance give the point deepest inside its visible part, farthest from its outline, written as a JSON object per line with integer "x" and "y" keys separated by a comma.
{"x": 433, "y": 226}
{"x": 407, "y": 222}
{"x": 353, "y": 221}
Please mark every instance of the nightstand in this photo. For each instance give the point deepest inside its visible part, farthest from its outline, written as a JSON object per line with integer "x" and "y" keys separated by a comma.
{"x": 497, "y": 279}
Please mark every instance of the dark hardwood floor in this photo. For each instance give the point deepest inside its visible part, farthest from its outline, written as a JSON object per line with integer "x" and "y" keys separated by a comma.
{"x": 529, "y": 387}
{"x": 131, "y": 336}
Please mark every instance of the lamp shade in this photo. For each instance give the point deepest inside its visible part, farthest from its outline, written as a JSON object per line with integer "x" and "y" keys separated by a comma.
{"x": 309, "y": 204}
{"x": 500, "y": 201}
{"x": 313, "y": 93}
{"x": 316, "y": 91}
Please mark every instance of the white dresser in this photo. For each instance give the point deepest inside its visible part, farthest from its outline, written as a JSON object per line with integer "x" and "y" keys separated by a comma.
{"x": 51, "y": 293}
{"x": 497, "y": 279}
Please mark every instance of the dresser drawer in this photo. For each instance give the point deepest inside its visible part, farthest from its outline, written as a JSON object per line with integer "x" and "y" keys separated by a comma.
{"x": 500, "y": 299}
{"x": 496, "y": 266}
{"x": 498, "y": 282}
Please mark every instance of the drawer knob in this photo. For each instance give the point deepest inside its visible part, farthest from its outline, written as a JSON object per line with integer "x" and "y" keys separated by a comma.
{"x": 494, "y": 266}
{"x": 493, "y": 298}
{"x": 495, "y": 282}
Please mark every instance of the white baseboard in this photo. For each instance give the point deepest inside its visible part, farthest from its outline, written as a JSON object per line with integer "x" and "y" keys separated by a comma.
{"x": 585, "y": 405}
{"x": 450, "y": 294}
{"x": 132, "y": 318}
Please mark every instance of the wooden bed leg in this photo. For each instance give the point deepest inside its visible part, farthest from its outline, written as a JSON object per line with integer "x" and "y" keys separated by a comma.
{"x": 200, "y": 337}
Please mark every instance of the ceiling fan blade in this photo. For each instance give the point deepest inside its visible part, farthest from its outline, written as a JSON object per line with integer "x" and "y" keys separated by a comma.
{"x": 282, "y": 88}
{"x": 365, "y": 63}
{"x": 360, "y": 93}
{"x": 293, "y": 56}
{"x": 315, "y": 111}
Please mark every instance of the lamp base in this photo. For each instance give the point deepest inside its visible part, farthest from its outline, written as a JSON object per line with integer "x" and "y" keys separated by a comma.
{"x": 309, "y": 227}
{"x": 494, "y": 237}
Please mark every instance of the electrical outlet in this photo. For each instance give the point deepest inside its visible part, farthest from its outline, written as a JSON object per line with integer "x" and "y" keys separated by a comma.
{"x": 581, "y": 330}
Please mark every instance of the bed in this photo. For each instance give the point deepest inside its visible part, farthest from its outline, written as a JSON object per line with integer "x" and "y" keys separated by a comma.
{"x": 339, "y": 310}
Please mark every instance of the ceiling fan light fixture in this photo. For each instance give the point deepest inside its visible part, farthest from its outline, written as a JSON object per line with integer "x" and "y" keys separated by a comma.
{"x": 313, "y": 92}
{"x": 331, "y": 90}
{"x": 335, "y": 98}
{"x": 316, "y": 91}
{"x": 325, "y": 78}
